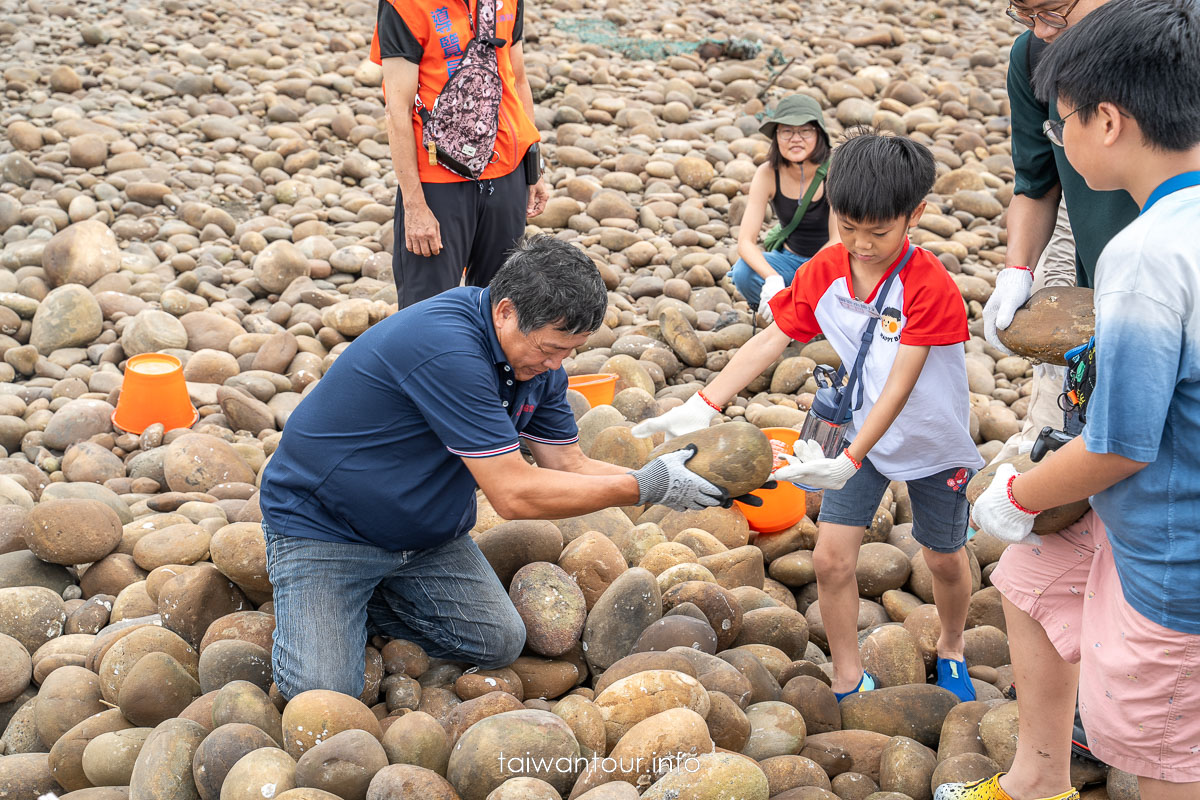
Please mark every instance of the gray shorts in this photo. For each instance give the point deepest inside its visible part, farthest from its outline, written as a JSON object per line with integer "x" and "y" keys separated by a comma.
{"x": 939, "y": 505}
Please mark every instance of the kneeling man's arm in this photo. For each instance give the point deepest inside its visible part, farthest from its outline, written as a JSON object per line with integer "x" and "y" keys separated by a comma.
{"x": 570, "y": 485}
{"x": 570, "y": 458}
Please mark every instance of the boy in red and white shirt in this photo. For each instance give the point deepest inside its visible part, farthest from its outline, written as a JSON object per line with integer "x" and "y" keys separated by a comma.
{"x": 913, "y": 424}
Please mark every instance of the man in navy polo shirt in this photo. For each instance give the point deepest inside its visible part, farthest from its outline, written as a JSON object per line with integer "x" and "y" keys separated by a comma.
{"x": 368, "y": 499}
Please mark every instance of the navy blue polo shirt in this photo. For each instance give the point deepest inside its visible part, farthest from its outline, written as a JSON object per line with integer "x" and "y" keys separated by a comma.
{"x": 374, "y": 454}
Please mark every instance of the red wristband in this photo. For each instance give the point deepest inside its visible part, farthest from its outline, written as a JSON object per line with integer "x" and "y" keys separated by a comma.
{"x": 1020, "y": 266}
{"x": 711, "y": 404}
{"x": 857, "y": 464}
{"x": 1013, "y": 500}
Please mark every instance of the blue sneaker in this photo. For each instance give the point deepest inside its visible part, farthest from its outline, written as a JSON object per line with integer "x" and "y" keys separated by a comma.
{"x": 953, "y": 675}
{"x": 865, "y": 684}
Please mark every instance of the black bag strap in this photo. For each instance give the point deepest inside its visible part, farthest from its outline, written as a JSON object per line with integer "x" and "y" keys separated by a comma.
{"x": 867, "y": 336}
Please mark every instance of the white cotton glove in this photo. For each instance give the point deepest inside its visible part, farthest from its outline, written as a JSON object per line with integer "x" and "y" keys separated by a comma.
{"x": 1013, "y": 286}
{"x": 810, "y": 467}
{"x": 666, "y": 481}
{"x": 771, "y": 287}
{"x": 996, "y": 514}
{"x": 693, "y": 415}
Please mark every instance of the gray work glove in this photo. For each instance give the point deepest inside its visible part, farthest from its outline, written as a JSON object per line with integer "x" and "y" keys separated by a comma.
{"x": 666, "y": 481}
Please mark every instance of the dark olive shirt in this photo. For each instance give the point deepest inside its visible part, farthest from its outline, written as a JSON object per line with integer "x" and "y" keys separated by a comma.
{"x": 1040, "y": 166}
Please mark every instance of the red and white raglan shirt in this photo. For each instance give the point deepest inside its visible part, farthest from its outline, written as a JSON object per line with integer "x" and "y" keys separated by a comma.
{"x": 923, "y": 307}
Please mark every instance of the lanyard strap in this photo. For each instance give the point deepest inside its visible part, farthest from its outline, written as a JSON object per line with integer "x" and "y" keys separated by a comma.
{"x": 867, "y": 336}
{"x": 1182, "y": 181}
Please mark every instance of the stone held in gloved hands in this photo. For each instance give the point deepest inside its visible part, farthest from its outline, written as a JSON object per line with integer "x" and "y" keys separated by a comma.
{"x": 771, "y": 287}
{"x": 997, "y": 513}
{"x": 810, "y": 467}
{"x": 1056, "y": 320}
{"x": 1013, "y": 286}
{"x": 693, "y": 415}
{"x": 667, "y": 481}
{"x": 736, "y": 456}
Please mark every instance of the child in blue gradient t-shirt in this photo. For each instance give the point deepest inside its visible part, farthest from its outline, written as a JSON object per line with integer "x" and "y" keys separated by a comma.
{"x": 1111, "y": 604}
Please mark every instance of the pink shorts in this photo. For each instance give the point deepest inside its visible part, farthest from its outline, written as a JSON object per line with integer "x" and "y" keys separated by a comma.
{"x": 1139, "y": 683}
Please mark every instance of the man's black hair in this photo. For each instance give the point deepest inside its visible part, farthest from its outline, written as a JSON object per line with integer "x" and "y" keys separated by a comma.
{"x": 819, "y": 154}
{"x": 876, "y": 177}
{"x": 1141, "y": 55}
{"x": 551, "y": 283}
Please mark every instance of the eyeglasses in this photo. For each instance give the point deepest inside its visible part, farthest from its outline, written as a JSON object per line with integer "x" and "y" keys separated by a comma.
{"x": 803, "y": 132}
{"x": 1053, "y": 128}
{"x": 1055, "y": 19}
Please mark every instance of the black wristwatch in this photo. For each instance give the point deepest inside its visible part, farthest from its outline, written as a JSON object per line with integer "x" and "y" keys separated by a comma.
{"x": 534, "y": 164}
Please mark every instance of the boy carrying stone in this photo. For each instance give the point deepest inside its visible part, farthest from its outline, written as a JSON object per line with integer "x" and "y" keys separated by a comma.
{"x": 912, "y": 421}
{"x": 1111, "y": 605}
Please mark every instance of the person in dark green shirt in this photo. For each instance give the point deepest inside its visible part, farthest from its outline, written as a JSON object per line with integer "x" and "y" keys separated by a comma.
{"x": 1044, "y": 179}
{"x": 1043, "y": 174}
{"x": 1057, "y": 226}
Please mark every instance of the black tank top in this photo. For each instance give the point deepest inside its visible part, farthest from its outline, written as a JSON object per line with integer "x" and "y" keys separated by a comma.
{"x": 813, "y": 230}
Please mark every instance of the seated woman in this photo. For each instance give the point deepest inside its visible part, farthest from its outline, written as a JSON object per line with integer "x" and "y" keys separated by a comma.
{"x": 793, "y": 170}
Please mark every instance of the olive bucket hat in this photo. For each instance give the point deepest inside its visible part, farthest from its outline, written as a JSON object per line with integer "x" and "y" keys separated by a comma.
{"x": 796, "y": 109}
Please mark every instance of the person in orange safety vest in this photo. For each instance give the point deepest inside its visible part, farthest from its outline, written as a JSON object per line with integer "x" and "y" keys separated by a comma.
{"x": 446, "y": 223}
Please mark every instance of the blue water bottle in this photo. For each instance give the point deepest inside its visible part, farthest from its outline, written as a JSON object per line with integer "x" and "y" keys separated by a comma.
{"x": 822, "y": 423}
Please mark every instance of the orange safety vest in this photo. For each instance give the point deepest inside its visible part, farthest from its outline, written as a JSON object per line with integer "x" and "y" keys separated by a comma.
{"x": 443, "y": 28}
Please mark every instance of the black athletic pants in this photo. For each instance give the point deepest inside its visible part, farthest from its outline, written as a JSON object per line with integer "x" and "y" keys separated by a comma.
{"x": 480, "y": 222}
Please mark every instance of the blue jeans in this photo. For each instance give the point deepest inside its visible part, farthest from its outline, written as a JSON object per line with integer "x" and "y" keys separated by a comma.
{"x": 939, "y": 505}
{"x": 749, "y": 282}
{"x": 329, "y": 595}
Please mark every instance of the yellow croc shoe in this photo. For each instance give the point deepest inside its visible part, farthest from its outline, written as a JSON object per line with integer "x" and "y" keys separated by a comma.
{"x": 987, "y": 789}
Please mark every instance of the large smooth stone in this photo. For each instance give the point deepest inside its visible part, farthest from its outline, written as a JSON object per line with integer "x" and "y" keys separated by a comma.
{"x": 26, "y": 775}
{"x": 196, "y": 462}
{"x": 33, "y": 615}
{"x": 530, "y": 743}
{"x": 916, "y": 711}
{"x": 163, "y": 770}
{"x": 551, "y": 605}
{"x": 67, "y": 317}
{"x": 77, "y": 420}
{"x": 1056, "y": 319}
{"x": 736, "y": 456}
{"x": 81, "y": 253}
{"x": 315, "y": 716}
{"x": 629, "y": 604}
{"x": 220, "y": 750}
{"x": 153, "y": 331}
{"x": 73, "y": 531}
{"x": 711, "y": 776}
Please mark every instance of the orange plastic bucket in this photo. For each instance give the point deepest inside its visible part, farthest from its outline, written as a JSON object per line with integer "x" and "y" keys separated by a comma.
{"x": 597, "y": 389}
{"x": 153, "y": 390}
{"x": 782, "y": 506}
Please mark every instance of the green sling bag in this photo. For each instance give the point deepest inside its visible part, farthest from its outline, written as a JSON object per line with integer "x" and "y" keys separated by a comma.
{"x": 778, "y": 235}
